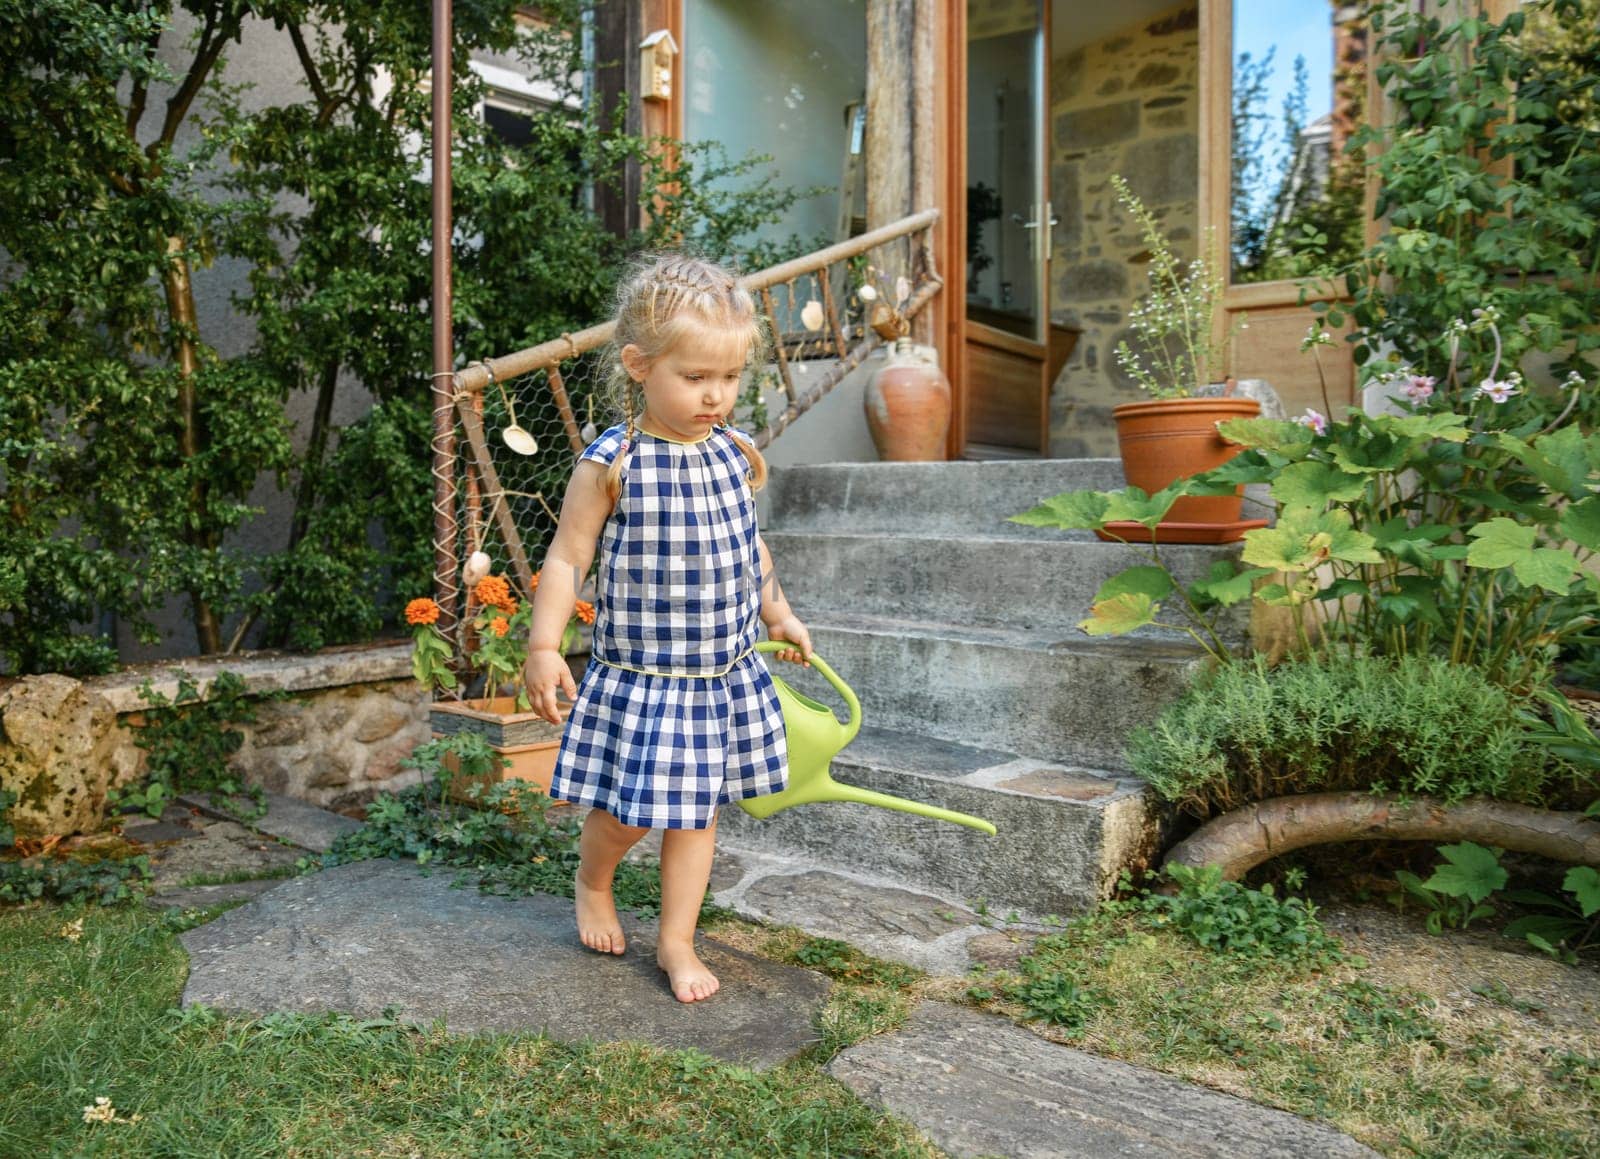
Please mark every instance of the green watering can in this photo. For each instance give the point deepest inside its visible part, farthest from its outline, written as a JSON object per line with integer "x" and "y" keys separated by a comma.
{"x": 815, "y": 737}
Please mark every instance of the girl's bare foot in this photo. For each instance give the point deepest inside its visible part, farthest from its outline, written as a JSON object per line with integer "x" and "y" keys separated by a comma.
{"x": 598, "y": 927}
{"x": 686, "y": 973}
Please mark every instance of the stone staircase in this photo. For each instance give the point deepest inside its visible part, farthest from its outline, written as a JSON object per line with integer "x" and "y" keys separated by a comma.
{"x": 957, "y": 631}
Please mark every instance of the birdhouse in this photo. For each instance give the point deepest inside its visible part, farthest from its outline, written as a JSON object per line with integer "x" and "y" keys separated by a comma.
{"x": 655, "y": 65}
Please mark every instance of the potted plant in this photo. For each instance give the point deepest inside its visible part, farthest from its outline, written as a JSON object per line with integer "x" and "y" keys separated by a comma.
{"x": 502, "y": 714}
{"x": 1174, "y": 434}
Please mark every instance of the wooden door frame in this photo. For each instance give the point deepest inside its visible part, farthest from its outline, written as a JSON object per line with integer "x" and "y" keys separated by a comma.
{"x": 950, "y": 235}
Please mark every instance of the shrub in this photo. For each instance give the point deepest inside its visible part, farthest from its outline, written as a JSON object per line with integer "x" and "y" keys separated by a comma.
{"x": 1414, "y": 725}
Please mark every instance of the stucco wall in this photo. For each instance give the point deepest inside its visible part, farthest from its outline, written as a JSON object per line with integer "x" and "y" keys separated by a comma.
{"x": 1126, "y": 104}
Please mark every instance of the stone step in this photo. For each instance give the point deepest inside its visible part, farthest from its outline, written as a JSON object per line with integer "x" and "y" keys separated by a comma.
{"x": 1063, "y": 833}
{"x": 962, "y": 498}
{"x": 1031, "y": 585}
{"x": 1043, "y": 694}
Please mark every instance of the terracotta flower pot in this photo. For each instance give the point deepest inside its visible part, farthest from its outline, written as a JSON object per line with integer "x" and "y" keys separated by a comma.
{"x": 1165, "y": 440}
{"x": 526, "y": 739}
{"x": 907, "y": 403}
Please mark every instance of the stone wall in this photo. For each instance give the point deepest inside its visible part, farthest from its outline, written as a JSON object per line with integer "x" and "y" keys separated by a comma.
{"x": 349, "y": 717}
{"x": 1127, "y": 104}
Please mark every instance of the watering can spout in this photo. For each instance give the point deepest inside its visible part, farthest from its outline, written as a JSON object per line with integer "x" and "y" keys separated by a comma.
{"x": 815, "y": 736}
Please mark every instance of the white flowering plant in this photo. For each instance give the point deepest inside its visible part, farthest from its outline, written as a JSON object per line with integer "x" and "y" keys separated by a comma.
{"x": 1179, "y": 351}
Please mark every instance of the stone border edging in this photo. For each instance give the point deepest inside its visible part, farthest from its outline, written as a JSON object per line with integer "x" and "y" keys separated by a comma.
{"x": 261, "y": 672}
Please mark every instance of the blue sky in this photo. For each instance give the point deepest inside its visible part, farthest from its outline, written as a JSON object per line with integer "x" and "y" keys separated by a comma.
{"x": 1297, "y": 28}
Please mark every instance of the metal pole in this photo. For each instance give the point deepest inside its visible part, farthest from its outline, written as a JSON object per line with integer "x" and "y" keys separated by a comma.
{"x": 444, "y": 426}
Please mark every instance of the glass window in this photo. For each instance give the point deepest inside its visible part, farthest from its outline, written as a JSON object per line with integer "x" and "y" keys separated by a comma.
{"x": 783, "y": 78}
{"x": 1299, "y": 92}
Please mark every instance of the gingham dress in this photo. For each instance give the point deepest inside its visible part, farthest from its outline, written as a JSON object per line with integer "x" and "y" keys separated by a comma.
{"x": 676, "y": 713}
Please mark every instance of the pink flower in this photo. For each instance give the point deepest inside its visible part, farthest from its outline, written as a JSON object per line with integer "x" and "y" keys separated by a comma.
{"x": 1317, "y": 421}
{"x": 1420, "y": 387}
{"x": 1498, "y": 391}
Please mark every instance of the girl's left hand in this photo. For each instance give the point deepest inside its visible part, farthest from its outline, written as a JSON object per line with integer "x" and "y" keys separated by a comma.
{"x": 791, "y": 630}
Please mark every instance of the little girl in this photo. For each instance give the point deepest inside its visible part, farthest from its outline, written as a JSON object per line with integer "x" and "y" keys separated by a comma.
{"x": 676, "y": 713}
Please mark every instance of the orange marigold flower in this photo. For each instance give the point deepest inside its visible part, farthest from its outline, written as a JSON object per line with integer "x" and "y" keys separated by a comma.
{"x": 499, "y": 625}
{"x": 584, "y": 610}
{"x": 494, "y": 592}
{"x": 422, "y": 611}
{"x": 534, "y": 586}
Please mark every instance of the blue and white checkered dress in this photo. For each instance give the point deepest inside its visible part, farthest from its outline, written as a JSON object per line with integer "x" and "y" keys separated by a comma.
{"x": 676, "y": 713}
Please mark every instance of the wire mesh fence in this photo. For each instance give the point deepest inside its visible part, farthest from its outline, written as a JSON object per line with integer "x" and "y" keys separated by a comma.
{"x": 522, "y": 419}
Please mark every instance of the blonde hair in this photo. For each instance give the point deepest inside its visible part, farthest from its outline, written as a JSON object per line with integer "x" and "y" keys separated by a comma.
{"x": 664, "y": 301}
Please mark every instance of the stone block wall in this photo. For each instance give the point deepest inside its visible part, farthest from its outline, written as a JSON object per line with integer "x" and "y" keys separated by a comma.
{"x": 1127, "y": 104}
{"x": 348, "y": 718}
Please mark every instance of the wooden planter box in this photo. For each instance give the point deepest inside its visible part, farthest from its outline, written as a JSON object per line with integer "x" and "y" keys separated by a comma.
{"x": 526, "y": 739}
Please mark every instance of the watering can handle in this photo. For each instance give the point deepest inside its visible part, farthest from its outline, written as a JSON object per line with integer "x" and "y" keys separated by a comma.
{"x": 853, "y": 725}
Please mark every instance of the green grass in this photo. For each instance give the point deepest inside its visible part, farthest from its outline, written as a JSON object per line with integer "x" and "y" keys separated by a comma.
{"x": 1407, "y": 1072}
{"x": 234, "y": 876}
{"x": 98, "y": 1017}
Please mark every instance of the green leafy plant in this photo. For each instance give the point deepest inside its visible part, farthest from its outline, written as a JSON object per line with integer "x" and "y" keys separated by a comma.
{"x": 1566, "y": 925}
{"x": 1487, "y": 170}
{"x": 1054, "y": 996}
{"x": 1229, "y": 917}
{"x": 1178, "y": 352}
{"x": 841, "y": 960}
{"x": 1456, "y": 893}
{"x": 510, "y": 839}
{"x": 189, "y": 741}
{"x": 1250, "y": 731}
{"x": 8, "y": 834}
{"x": 66, "y": 880}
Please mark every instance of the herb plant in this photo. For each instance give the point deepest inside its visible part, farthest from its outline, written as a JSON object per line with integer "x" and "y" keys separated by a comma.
{"x": 1178, "y": 352}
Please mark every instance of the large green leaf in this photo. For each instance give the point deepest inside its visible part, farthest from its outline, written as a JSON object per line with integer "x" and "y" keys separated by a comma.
{"x": 1500, "y": 542}
{"x": 1304, "y": 539}
{"x": 1581, "y": 523}
{"x": 1120, "y": 615}
{"x": 1245, "y": 467}
{"x": 1267, "y": 434}
{"x": 1072, "y": 510}
{"x": 1149, "y": 579}
{"x": 1446, "y": 425}
{"x": 1583, "y": 881}
{"x": 1315, "y": 484}
{"x": 1365, "y": 454}
{"x": 1413, "y": 545}
{"x": 1134, "y": 505}
{"x": 1225, "y": 585}
{"x": 1559, "y": 460}
{"x": 1471, "y": 871}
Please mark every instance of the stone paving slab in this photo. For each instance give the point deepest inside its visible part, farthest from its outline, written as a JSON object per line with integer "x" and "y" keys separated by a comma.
{"x": 360, "y": 937}
{"x": 977, "y": 1085}
{"x": 874, "y": 915}
{"x": 288, "y": 819}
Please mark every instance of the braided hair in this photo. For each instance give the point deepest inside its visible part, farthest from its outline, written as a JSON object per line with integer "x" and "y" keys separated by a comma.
{"x": 665, "y": 300}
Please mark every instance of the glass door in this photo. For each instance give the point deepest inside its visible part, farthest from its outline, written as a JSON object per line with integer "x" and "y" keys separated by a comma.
{"x": 1008, "y": 225}
{"x": 1008, "y": 219}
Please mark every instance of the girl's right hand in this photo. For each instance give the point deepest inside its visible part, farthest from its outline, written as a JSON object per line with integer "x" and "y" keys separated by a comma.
{"x": 543, "y": 673}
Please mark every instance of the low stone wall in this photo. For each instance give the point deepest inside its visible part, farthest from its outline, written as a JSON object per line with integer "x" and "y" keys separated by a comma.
{"x": 350, "y": 717}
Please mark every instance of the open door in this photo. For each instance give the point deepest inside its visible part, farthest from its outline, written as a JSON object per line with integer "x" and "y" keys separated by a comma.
{"x": 1007, "y": 363}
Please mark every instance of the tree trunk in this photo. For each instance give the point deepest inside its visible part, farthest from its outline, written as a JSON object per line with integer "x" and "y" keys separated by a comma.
{"x": 1241, "y": 840}
{"x": 180, "y": 307}
{"x": 316, "y": 450}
